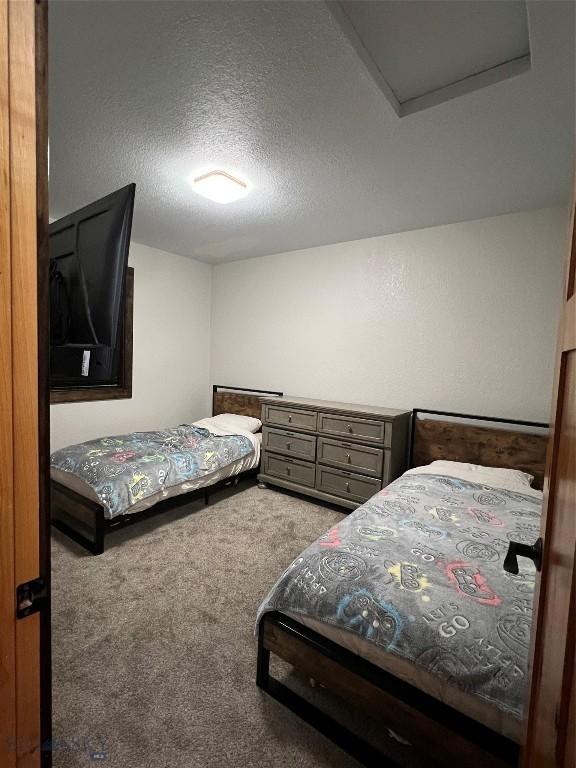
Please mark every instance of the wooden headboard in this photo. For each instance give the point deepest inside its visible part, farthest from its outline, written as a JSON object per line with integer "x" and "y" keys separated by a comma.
{"x": 492, "y": 442}
{"x": 244, "y": 402}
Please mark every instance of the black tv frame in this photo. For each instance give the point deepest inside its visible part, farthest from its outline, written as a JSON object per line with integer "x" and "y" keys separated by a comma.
{"x": 87, "y": 354}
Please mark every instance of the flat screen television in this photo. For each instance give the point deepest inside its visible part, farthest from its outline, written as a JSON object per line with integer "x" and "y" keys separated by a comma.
{"x": 88, "y": 265}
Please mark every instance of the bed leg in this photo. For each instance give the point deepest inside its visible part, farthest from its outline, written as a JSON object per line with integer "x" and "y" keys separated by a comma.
{"x": 206, "y": 497}
{"x": 98, "y": 547}
{"x": 263, "y": 660}
{"x": 261, "y": 484}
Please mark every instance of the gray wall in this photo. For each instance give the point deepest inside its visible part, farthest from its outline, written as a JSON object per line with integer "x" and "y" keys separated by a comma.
{"x": 460, "y": 317}
{"x": 171, "y": 354}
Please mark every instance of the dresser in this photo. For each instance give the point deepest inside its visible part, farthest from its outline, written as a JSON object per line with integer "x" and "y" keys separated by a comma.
{"x": 339, "y": 452}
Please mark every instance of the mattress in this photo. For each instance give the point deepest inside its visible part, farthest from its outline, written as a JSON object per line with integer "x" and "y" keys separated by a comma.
{"x": 249, "y": 459}
{"x": 413, "y": 581}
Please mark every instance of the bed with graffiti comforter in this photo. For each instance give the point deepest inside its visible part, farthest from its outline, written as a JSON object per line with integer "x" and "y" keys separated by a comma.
{"x": 126, "y": 469}
{"x": 418, "y": 571}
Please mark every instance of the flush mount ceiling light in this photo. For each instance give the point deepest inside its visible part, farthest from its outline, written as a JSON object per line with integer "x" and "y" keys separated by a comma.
{"x": 220, "y": 186}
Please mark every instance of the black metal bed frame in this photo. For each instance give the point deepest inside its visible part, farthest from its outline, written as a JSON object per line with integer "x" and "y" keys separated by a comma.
{"x": 356, "y": 746}
{"x": 95, "y": 545}
{"x": 492, "y": 742}
{"x": 219, "y": 387}
{"x": 99, "y": 526}
{"x": 465, "y": 417}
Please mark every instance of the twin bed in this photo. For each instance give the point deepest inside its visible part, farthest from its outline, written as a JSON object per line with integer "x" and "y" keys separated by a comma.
{"x": 112, "y": 481}
{"x": 412, "y": 608}
{"x": 405, "y": 608}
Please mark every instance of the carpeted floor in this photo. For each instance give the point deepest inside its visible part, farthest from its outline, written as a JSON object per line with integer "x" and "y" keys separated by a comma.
{"x": 154, "y": 656}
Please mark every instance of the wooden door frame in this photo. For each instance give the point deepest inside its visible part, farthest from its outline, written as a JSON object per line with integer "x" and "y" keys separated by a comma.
{"x": 25, "y": 679}
{"x": 548, "y": 729}
{"x": 43, "y": 309}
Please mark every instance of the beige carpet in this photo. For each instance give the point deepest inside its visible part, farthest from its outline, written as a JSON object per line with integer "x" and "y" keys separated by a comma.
{"x": 154, "y": 656}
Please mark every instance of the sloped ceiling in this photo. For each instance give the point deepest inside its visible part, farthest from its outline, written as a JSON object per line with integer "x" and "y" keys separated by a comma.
{"x": 157, "y": 92}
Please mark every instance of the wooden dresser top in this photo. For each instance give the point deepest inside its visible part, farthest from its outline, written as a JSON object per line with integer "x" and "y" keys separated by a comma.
{"x": 336, "y": 407}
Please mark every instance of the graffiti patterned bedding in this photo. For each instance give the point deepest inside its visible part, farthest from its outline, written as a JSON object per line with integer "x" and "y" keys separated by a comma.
{"x": 416, "y": 572}
{"x": 125, "y": 472}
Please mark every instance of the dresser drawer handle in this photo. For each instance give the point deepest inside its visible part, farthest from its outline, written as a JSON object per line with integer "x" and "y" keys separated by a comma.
{"x": 348, "y": 487}
{"x": 348, "y": 458}
{"x": 289, "y": 419}
{"x": 350, "y": 428}
{"x": 287, "y": 470}
{"x": 288, "y": 446}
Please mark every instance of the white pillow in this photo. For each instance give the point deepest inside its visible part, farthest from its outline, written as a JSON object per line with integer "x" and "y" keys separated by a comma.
{"x": 235, "y": 421}
{"x": 487, "y": 475}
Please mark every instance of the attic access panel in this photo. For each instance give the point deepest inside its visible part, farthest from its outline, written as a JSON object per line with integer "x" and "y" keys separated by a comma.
{"x": 424, "y": 52}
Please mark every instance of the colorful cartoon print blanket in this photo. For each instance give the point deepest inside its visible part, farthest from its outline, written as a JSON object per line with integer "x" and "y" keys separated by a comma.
{"x": 123, "y": 470}
{"x": 417, "y": 570}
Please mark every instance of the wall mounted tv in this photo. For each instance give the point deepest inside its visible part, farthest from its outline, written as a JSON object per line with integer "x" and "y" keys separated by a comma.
{"x": 88, "y": 265}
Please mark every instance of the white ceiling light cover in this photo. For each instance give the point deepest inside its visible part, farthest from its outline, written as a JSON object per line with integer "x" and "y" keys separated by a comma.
{"x": 220, "y": 186}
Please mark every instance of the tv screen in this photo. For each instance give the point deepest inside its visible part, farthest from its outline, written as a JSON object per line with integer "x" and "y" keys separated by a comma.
{"x": 88, "y": 264}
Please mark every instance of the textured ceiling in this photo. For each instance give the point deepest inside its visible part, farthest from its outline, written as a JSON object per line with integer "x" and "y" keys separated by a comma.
{"x": 153, "y": 92}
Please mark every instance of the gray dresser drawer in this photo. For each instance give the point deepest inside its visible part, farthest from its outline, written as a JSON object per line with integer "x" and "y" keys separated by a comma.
{"x": 290, "y": 417}
{"x": 296, "y": 471}
{"x": 346, "y": 484}
{"x": 290, "y": 443}
{"x": 354, "y": 458}
{"x": 338, "y": 452}
{"x": 367, "y": 430}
